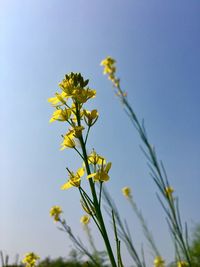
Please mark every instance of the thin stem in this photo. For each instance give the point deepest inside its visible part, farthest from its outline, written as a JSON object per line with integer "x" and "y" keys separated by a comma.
{"x": 95, "y": 200}
{"x": 88, "y": 129}
{"x": 160, "y": 181}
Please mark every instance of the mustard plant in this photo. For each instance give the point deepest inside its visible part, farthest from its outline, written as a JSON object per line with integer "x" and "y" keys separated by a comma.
{"x": 70, "y": 108}
{"x": 157, "y": 171}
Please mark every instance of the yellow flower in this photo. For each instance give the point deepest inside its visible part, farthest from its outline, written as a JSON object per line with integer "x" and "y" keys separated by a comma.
{"x": 74, "y": 179}
{"x": 159, "y": 262}
{"x": 126, "y": 191}
{"x": 102, "y": 173}
{"x": 77, "y": 131}
{"x": 108, "y": 61}
{"x": 85, "y": 219}
{"x": 81, "y": 95}
{"x": 68, "y": 86}
{"x": 30, "y": 259}
{"x": 90, "y": 116}
{"x": 59, "y": 99}
{"x": 68, "y": 141}
{"x": 95, "y": 159}
{"x": 182, "y": 264}
{"x": 55, "y": 212}
{"x": 61, "y": 115}
{"x": 168, "y": 191}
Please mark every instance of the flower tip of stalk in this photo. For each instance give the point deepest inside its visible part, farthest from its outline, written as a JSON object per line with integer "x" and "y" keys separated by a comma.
{"x": 159, "y": 262}
{"x": 55, "y": 212}
{"x": 169, "y": 191}
{"x": 85, "y": 219}
{"x": 126, "y": 191}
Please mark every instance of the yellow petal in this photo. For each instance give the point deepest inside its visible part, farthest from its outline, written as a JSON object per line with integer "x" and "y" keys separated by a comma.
{"x": 108, "y": 166}
{"x": 66, "y": 186}
{"x": 80, "y": 172}
{"x": 91, "y": 175}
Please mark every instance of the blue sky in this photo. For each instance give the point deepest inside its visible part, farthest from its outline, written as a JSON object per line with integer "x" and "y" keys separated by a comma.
{"x": 156, "y": 45}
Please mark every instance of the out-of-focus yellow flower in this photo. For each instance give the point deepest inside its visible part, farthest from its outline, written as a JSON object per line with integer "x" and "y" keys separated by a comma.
{"x": 61, "y": 115}
{"x": 68, "y": 141}
{"x": 55, "y": 212}
{"x": 102, "y": 173}
{"x": 90, "y": 116}
{"x": 74, "y": 179}
{"x": 95, "y": 159}
{"x": 85, "y": 219}
{"x": 168, "y": 191}
{"x": 30, "y": 259}
{"x": 126, "y": 191}
{"x": 182, "y": 264}
{"x": 159, "y": 262}
{"x": 109, "y": 65}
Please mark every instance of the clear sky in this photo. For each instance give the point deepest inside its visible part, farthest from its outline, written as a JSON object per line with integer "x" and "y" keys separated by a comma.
{"x": 157, "y": 47}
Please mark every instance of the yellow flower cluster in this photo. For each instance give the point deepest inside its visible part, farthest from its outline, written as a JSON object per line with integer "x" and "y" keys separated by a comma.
{"x": 110, "y": 69}
{"x": 69, "y": 107}
{"x": 159, "y": 262}
{"x": 55, "y": 212}
{"x": 30, "y": 259}
{"x": 73, "y": 87}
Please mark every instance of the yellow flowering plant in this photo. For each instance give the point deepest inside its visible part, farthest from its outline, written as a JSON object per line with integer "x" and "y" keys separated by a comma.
{"x": 157, "y": 171}
{"x": 70, "y": 109}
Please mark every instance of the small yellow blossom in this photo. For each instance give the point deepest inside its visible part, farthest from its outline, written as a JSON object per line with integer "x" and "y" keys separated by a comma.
{"x": 59, "y": 99}
{"x": 68, "y": 141}
{"x": 55, "y": 212}
{"x": 102, "y": 173}
{"x": 61, "y": 115}
{"x": 126, "y": 191}
{"x": 168, "y": 191}
{"x": 68, "y": 86}
{"x": 82, "y": 95}
{"x": 95, "y": 159}
{"x": 78, "y": 131}
{"x": 182, "y": 264}
{"x": 90, "y": 116}
{"x": 74, "y": 179}
{"x": 85, "y": 219}
{"x": 159, "y": 262}
{"x": 30, "y": 259}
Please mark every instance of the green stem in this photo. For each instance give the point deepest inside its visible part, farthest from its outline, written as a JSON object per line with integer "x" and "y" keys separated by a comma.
{"x": 97, "y": 207}
{"x": 95, "y": 200}
{"x": 159, "y": 180}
